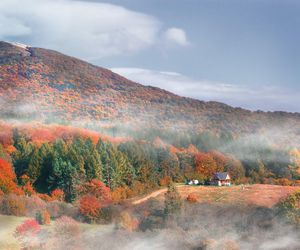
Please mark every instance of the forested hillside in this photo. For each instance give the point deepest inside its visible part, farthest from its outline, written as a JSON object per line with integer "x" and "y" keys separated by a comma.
{"x": 55, "y": 157}
{"x": 44, "y": 85}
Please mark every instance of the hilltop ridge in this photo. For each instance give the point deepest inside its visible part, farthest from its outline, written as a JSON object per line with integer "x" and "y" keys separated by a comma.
{"x": 46, "y": 85}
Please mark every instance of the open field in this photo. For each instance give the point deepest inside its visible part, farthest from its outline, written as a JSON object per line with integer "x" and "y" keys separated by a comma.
{"x": 7, "y": 226}
{"x": 258, "y": 194}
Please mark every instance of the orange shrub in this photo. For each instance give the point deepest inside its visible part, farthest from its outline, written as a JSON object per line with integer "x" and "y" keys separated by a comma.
{"x": 34, "y": 204}
{"x": 90, "y": 206}
{"x": 27, "y": 185}
{"x": 13, "y": 205}
{"x": 120, "y": 193}
{"x": 283, "y": 182}
{"x": 138, "y": 188}
{"x": 45, "y": 197}
{"x": 43, "y": 217}
{"x": 297, "y": 183}
{"x": 165, "y": 181}
{"x": 192, "y": 198}
{"x": 97, "y": 188}
{"x": 58, "y": 195}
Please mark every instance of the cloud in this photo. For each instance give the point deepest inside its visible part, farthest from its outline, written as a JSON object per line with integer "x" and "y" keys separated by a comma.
{"x": 176, "y": 36}
{"x": 89, "y": 30}
{"x": 264, "y": 97}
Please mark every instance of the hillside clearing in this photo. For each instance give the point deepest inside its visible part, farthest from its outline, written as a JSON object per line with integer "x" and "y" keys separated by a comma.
{"x": 258, "y": 194}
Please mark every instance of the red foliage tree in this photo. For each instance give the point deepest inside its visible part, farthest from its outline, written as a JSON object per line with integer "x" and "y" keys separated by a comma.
{"x": 90, "y": 207}
{"x": 98, "y": 189}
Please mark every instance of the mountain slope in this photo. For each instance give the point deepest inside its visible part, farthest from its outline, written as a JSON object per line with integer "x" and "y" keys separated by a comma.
{"x": 46, "y": 85}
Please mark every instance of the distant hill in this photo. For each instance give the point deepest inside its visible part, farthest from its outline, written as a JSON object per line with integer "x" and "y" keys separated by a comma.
{"x": 48, "y": 86}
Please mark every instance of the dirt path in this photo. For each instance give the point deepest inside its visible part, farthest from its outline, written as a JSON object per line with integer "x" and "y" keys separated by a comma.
{"x": 152, "y": 195}
{"x": 155, "y": 194}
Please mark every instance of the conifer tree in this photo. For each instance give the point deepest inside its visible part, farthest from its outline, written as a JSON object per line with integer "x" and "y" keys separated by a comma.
{"x": 124, "y": 173}
{"x": 34, "y": 166}
{"x": 173, "y": 202}
{"x": 22, "y": 155}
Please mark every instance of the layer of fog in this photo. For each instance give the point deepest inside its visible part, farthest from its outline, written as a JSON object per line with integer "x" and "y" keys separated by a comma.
{"x": 200, "y": 226}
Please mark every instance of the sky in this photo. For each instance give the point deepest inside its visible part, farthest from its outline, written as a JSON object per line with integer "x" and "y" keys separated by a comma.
{"x": 241, "y": 52}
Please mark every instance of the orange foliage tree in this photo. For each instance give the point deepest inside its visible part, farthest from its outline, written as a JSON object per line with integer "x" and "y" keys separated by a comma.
{"x": 205, "y": 165}
{"x": 27, "y": 185}
{"x": 7, "y": 178}
{"x": 93, "y": 196}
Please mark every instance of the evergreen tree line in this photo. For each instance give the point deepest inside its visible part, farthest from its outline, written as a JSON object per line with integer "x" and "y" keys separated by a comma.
{"x": 65, "y": 164}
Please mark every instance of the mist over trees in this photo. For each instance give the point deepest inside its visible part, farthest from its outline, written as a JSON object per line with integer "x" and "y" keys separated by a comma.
{"x": 137, "y": 166}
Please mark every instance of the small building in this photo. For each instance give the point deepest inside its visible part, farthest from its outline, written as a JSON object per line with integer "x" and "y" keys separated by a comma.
{"x": 221, "y": 179}
{"x": 192, "y": 182}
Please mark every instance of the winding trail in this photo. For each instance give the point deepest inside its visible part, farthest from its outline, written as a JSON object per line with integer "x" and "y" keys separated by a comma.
{"x": 154, "y": 194}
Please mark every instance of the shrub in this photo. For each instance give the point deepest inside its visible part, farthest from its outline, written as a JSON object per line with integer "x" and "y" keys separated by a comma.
{"x": 66, "y": 227}
{"x": 26, "y": 234}
{"x": 33, "y": 205}
{"x": 283, "y": 182}
{"x": 58, "y": 195}
{"x": 138, "y": 188}
{"x": 230, "y": 245}
{"x": 57, "y": 209}
{"x": 128, "y": 222}
{"x": 289, "y": 208}
{"x": 89, "y": 206}
{"x": 43, "y": 217}
{"x": 29, "y": 228}
{"x": 165, "y": 181}
{"x": 97, "y": 188}
{"x": 27, "y": 185}
{"x": 67, "y": 234}
{"x": 192, "y": 198}
{"x": 13, "y": 205}
{"x": 118, "y": 194}
{"x": 297, "y": 183}
{"x": 45, "y": 197}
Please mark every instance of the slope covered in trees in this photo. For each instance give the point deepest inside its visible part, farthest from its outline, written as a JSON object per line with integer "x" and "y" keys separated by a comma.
{"x": 49, "y": 86}
{"x": 128, "y": 167}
